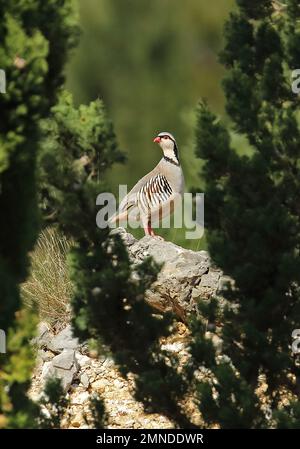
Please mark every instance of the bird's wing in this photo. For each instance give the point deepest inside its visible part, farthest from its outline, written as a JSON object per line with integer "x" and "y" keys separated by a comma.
{"x": 151, "y": 191}
{"x": 131, "y": 198}
{"x": 154, "y": 192}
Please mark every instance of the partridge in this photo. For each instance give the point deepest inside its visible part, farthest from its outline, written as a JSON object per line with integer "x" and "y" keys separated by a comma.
{"x": 154, "y": 196}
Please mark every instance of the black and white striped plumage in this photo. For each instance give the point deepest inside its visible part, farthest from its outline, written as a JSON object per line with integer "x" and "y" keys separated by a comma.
{"x": 155, "y": 195}
{"x": 155, "y": 191}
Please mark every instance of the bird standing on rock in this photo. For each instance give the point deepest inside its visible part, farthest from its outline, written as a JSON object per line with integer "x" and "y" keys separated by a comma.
{"x": 154, "y": 196}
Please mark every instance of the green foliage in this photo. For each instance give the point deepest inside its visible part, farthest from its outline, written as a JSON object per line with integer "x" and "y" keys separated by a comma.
{"x": 292, "y": 34}
{"x": 18, "y": 411}
{"x": 98, "y": 417}
{"x": 289, "y": 418}
{"x": 54, "y": 402}
{"x": 35, "y": 36}
{"x": 30, "y": 60}
{"x": 252, "y": 214}
{"x": 15, "y": 376}
{"x": 80, "y": 145}
{"x": 256, "y": 9}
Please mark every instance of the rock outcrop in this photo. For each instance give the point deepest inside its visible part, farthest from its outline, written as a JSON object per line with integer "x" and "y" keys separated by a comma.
{"x": 83, "y": 373}
{"x": 58, "y": 354}
{"x": 185, "y": 277}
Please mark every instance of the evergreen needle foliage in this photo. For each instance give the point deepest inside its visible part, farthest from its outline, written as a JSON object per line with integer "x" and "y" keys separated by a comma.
{"x": 53, "y": 405}
{"x": 252, "y": 217}
{"x": 98, "y": 416}
{"x": 16, "y": 410}
{"x": 35, "y": 37}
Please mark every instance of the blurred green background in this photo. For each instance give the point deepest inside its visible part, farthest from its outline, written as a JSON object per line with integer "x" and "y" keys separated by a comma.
{"x": 151, "y": 61}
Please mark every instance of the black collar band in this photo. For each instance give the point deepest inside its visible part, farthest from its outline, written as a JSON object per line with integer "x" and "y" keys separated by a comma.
{"x": 172, "y": 161}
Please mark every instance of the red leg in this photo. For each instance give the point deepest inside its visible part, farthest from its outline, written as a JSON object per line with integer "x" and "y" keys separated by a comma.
{"x": 151, "y": 231}
{"x": 148, "y": 229}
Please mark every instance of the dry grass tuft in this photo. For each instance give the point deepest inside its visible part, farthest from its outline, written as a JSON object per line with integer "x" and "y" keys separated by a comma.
{"x": 48, "y": 286}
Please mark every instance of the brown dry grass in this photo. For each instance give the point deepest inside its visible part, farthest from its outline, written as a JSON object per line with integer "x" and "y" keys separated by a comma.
{"x": 48, "y": 286}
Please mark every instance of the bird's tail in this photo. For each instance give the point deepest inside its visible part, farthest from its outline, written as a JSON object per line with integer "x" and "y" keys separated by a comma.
{"x": 117, "y": 217}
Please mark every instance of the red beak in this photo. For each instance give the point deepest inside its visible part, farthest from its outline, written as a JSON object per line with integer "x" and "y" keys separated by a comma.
{"x": 157, "y": 139}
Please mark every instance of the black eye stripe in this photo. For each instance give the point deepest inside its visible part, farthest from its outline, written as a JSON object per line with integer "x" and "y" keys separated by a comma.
{"x": 165, "y": 136}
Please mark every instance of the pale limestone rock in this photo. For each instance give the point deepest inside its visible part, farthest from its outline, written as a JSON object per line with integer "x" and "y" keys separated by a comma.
{"x": 84, "y": 379}
{"x": 63, "y": 367}
{"x": 83, "y": 360}
{"x": 186, "y": 275}
{"x": 63, "y": 340}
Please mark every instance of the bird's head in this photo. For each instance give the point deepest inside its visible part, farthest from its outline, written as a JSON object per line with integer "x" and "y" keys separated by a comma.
{"x": 168, "y": 144}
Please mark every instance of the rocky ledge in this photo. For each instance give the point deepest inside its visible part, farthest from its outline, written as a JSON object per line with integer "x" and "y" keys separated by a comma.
{"x": 185, "y": 277}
